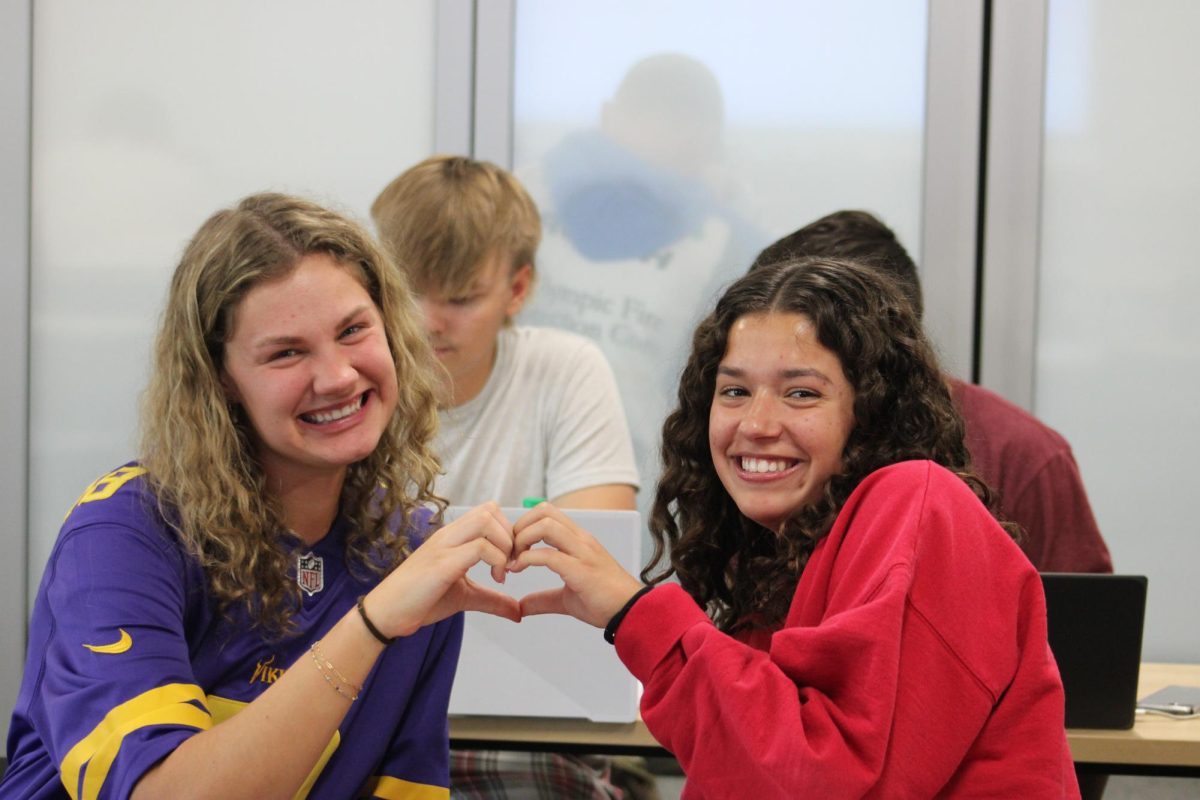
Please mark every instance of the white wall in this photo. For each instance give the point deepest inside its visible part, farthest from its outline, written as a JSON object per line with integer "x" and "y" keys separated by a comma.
{"x": 1118, "y": 336}
{"x": 147, "y": 118}
{"x": 14, "y": 327}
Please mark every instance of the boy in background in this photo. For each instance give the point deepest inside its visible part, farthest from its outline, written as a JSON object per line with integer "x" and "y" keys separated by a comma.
{"x": 529, "y": 412}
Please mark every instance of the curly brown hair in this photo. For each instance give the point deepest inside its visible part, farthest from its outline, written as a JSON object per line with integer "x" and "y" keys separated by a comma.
{"x": 198, "y": 450}
{"x": 745, "y": 574}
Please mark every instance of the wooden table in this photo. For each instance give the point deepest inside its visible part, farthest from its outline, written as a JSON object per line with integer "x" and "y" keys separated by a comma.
{"x": 1154, "y": 746}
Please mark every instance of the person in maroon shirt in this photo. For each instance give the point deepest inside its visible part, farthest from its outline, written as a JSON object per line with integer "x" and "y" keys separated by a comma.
{"x": 1029, "y": 464}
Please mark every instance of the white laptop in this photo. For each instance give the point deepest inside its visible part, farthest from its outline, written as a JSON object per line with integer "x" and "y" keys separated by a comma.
{"x": 547, "y": 665}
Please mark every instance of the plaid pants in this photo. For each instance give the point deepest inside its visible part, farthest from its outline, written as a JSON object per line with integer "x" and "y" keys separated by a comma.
{"x": 504, "y": 775}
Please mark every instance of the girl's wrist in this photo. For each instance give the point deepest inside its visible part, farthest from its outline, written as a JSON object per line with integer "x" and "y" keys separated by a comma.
{"x": 610, "y": 630}
{"x": 374, "y": 624}
{"x": 379, "y": 636}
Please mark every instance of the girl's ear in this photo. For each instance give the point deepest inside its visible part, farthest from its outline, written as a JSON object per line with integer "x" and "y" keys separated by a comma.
{"x": 230, "y": 388}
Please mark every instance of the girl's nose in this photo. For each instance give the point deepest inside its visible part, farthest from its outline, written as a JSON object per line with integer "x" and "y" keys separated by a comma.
{"x": 334, "y": 375}
{"x": 762, "y": 417}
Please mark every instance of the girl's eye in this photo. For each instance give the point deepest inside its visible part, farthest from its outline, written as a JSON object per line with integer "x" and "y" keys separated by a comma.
{"x": 281, "y": 354}
{"x": 353, "y": 329}
{"x": 462, "y": 300}
{"x": 802, "y": 394}
{"x": 732, "y": 391}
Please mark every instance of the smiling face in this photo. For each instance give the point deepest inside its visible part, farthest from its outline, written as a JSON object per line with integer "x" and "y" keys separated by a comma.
{"x": 463, "y": 326}
{"x": 782, "y": 411}
{"x": 308, "y": 360}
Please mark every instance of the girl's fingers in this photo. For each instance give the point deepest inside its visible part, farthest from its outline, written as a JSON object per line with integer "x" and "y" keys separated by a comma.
{"x": 489, "y": 601}
{"x": 549, "y": 601}
{"x": 548, "y": 531}
{"x": 450, "y": 564}
{"x": 498, "y": 529}
{"x": 501, "y": 536}
{"x": 548, "y": 557}
{"x": 542, "y": 511}
{"x": 472, "y": 552}
{"x": 493, "y": 510}
{"x": 484, "y": 521}
{"x": 487, "y": 525}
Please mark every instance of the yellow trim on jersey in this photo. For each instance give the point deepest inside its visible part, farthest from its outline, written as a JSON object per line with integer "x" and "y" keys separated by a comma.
{"x": 101, "y": 763}
{"x": 129, "y": 716}
{"x": 106, "y": 486}
{"x": 382, "y": 786}
{"x": 223, "y": 708}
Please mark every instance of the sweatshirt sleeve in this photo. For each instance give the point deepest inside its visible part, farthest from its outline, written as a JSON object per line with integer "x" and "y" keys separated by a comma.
{"x": 809, "y": 717}
{"x": 901, "y": 639}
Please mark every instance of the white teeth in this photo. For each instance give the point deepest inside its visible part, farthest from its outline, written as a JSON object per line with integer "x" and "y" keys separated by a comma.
{"x": 338, "y": 413}
{"x": 763, "y": 465}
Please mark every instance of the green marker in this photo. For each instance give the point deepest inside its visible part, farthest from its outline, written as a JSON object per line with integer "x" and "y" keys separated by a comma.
{"x": 530, "y": 502}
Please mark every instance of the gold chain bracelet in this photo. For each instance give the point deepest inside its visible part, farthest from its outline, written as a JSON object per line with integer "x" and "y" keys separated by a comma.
{"x": 328, "y": 671}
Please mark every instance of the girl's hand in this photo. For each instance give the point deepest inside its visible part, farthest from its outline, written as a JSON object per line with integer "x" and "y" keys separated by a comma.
{"x": 595, "y": 586}
{"x": 432, "y": 582}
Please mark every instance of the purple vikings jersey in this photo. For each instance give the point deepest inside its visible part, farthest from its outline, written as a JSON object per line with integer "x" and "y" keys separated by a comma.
{"x": 128, "y": 657}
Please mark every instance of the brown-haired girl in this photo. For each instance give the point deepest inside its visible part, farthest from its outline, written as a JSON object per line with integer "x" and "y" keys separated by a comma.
{"x": 850, "y": 619}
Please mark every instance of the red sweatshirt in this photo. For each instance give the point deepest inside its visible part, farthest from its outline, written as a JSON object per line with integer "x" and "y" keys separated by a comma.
{"x": 913, "y": 663}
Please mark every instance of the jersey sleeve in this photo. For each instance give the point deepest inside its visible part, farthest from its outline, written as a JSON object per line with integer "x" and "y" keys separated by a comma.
{"x": 416, "y": 764}
{"x": 589, "y": 435}
{"x": 114, "y": 691}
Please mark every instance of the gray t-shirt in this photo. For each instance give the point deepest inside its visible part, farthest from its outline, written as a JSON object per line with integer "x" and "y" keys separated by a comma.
{"x": 548, "y": 422}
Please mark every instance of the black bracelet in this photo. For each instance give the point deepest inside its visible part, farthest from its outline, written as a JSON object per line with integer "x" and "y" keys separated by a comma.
{"x": 610, "y": 630}
{"x": 378, "y": 634}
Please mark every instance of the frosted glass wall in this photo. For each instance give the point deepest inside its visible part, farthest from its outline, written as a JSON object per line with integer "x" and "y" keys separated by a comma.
{"x": 148, "y": 117}
{"x": 667, "y": 143}
{"x": 1118, "y": 345}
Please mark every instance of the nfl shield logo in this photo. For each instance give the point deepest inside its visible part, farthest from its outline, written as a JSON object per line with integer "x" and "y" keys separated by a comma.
{"x": 310, "y": 574}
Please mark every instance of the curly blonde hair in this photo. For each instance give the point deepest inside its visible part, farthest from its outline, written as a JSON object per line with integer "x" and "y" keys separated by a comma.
{"x": 198, "y": 450}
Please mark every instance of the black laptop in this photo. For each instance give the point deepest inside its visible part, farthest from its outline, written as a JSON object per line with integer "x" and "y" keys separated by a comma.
{"x": 1095, "y": 629}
